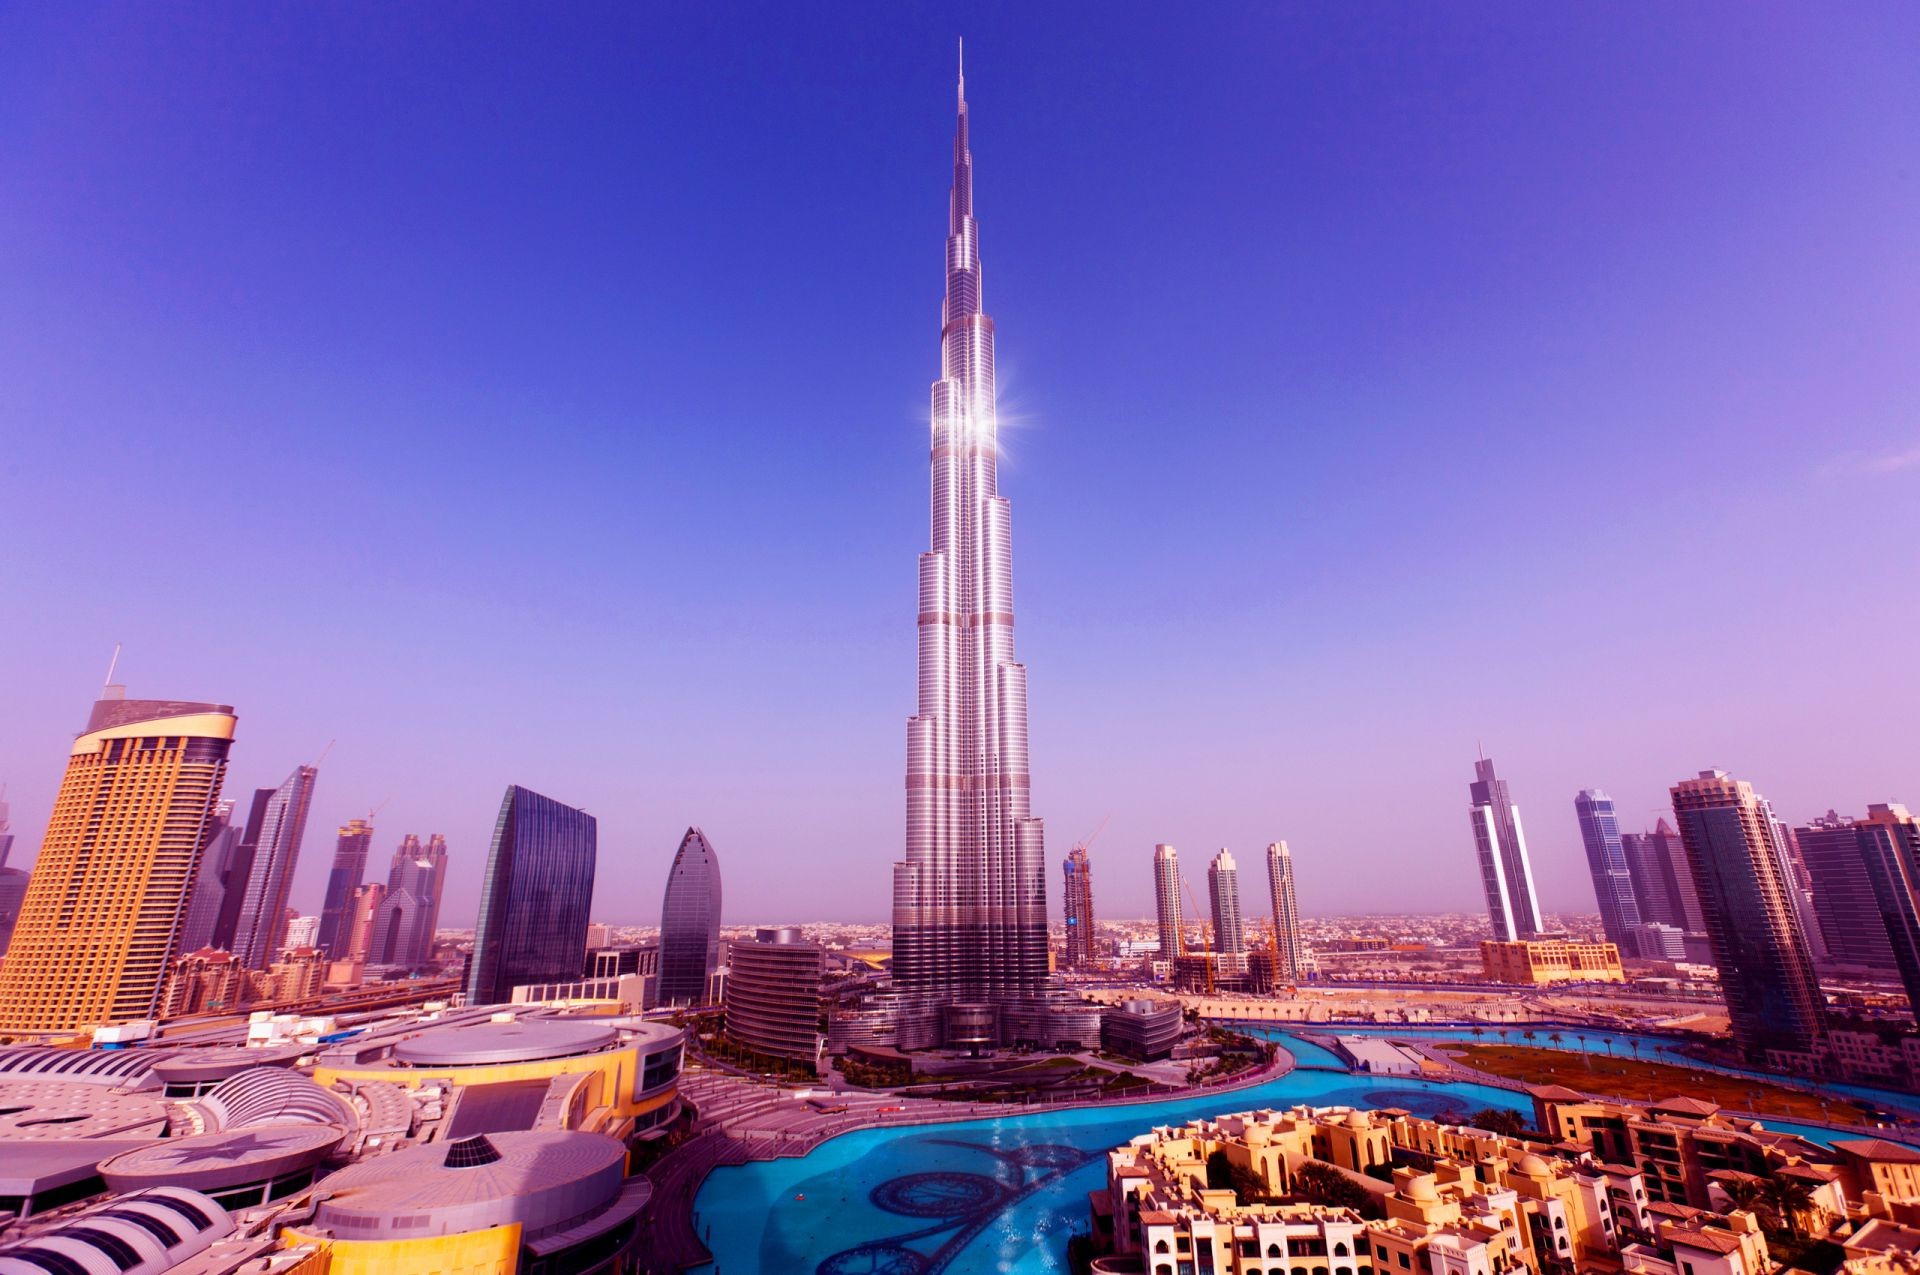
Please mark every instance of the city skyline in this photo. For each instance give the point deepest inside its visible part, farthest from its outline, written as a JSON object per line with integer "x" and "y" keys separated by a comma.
{"x": 1529, "y": 337}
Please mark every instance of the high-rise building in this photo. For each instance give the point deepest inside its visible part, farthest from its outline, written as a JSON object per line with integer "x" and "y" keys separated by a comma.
{"x": 1846, "y": 900}
{"x": 1607, "y": 862}
{"x": 6, "y": 828}
{"x": 1505, "y": 871}
{"x": 418, "y": 872}
{"x": 350, "y": 849}
{"x": 1229, "y": 933}
{"x": 363, "y": 914}
{"x": 393, "y": 935}
{"x": 690, "y": 922}
{"x": 263, "y": 907}
{"x": 436, "y": 855}
{"x": 1766, "y": 969}
{"x": 1078, "y": 894}
{"x": 969, "y": 898}
{"x": 1166, "y": 901}
{"x": 103, "y": 908}
{"x": 1889, "y": 843}
{"x": 1662, "y": 881}
{"x": 1289, "y": 955}
{"x": 773, "y": 995}
{"x": 209, "y": 892}
{"x": 535, "y": 897}
{"x": 13, "y": 883}
{"x": 238, "y": 871}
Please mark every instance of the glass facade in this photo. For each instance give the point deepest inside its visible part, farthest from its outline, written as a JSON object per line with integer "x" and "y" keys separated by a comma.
{"x": 349, "y": 868}
{"x": 690, "y": 922}
{"x": 1506, "y": 874}
{"x": 263, "y": 908}
{"x": 535, "y": 898}
{"x": 1607, "y": 862}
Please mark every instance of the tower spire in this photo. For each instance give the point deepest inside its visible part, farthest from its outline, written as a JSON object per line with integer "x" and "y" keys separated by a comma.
{"x": 963, "y": 70}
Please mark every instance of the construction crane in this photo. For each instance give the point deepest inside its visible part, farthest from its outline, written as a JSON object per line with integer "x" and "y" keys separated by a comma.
{"x": 1080, "y": 847}
{"x": 1206, "y": 931}
{"x": 1086, "y": 843}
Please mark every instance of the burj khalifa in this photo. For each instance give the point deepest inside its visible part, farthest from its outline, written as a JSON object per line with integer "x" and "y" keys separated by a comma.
{"x": 969, "y": 898}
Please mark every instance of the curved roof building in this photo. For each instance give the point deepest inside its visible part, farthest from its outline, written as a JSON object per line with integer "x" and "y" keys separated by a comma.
{"x": 690, "y": 922}
{"x": 547, "y": 1200}
{"x": 141, "y": 1234}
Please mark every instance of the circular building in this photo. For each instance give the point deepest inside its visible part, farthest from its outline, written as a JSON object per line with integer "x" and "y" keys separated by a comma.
{"x": 238, "y": 1168}
{"x": 547, "y": 1201}
{"x": 519, "y": 1040}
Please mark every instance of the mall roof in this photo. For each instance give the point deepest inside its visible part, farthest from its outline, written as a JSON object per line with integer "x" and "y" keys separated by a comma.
{"x": 28, "y": 1168}
{"x": 545, "y": 1180}
{"x": 120, "y": 1068}
{"x": 41, "y": 1110}
{"x": 521, "y": 1040}
{"x": 218, "y": 1161}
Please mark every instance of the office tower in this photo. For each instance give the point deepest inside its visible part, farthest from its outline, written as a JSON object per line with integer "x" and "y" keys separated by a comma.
{"x": 209, "y": 891}
{"x": 1166, "y": 901}
{"x": 1766, "y": 970}
{"x": 599, "y": 935}
{"x": 104, "y": 904}
{"x": 1607, "y": 862}
{"x": 350, "y": 849}
{"x": 773, "y": 995}
{"x": 1289, "y": 958}
{"x": 1662, "y": 882}
{"x": 239, "y": 871}
{"x": 535, "y": 897}
{"x": 276, "y": 851}
{"x": 13, "y": 883}
{"x": 690, "y": 922}
{"x": 418, "y": 872}
{"x": 6, "y": 826}
{"x": 1846, "y": 898}
{"x": 1889, "y": 844}
{"x": 1079, "y": 903}
{"x": 363, "y": 914}
{"x": 1229, "y": 934}
{"x": 1505, "y": 872}
{"x": 1799, "y": 884}
{"x": 969, "y": 899}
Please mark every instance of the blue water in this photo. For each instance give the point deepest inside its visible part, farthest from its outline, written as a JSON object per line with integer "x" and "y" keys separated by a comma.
{"x": 1621, "y": 1044}
{"x": 988, "y": 1195}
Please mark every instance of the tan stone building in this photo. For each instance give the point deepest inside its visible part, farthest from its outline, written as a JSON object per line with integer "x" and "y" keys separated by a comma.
{"x": 1537, "y": 962}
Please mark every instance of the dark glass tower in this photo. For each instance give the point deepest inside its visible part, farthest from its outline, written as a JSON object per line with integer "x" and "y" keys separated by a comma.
{"x": 276, "y": 852}
{"x": 690, "y": 922}
{"x": 1766, "y": 970}
{"x": 1846, "y": 898}
{"x": 1889, "y": 844}
{"x": 349, "y": 867}
{"x": 970, "y": 895}
{"x": 1607, "y": 862}
{"x": 535, "y": 897}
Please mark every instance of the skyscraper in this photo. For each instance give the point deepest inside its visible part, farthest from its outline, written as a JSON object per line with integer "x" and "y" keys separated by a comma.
{"x": 1289, "y": 957}
{"x": 1078, "y": 893}
{"x": 1846, "y": 898}
{"x": 435, "y": 855}
{"x": 690, "y": 922}
{"x": 263, "y": 907}
{"x": 1607, "y": 862}
{"x": 1766, "y": 970}
{"x": 1889, "y": 843}
{"x": 415, "y": 879}
{"x": 350, "y": 849}
{"x": 209, "y": 890}
{"x": 1229, "y": 934}
{"x": 1662, "y": 882}
{"x": 1166, "y": 901}
{"x": 13, "y": 883}
{"x": 1505, "y": 872}
{"x": 969, "y": 898}
{"x": 535, "y": 897}
{"x": 238, "y": 870}
{"x": 104, "y": 904}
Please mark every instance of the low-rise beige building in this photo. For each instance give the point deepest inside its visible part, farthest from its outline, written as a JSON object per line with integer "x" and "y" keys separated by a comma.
{"x": 1537, "y": 962}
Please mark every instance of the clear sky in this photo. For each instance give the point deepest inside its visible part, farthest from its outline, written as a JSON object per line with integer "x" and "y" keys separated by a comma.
{"x": 538, "y": 394}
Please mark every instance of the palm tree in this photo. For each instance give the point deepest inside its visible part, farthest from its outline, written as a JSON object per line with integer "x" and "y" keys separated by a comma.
{"x": 1556, "y": 1039}
{"x": 1790, "y": 1197}
{"x": 1529, "y": 1035}
{"x": 1478, "y": 1032}
{"x": 1744, "y": 1192}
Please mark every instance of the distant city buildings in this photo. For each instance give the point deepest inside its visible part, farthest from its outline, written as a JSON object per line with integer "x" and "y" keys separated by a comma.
{"x": 1506, "y": 874}
{"x": 416, "y": 882}
{"x": 103, "y": 906}
{"x": 1662, "y": 880}
{"x": 1766, "y": 970}
{"x": 1289, "y": 953}
{"x": 13, "y": 884}
{"x": 1846, "y": 903}
{"x": 1166, "y": 901}
{"x": 301, "y": 931}
{"x": 1883, "y": 850}
{"x": 350, "y": 850}
{"x": 1607, "y": 864}
{"x": 1078, "y": 896}
{"x": 690, "y": 922}
{"x": 1229, "y": 934}
{"x": 276, "y": 851}
{"x": 534, "y": 898}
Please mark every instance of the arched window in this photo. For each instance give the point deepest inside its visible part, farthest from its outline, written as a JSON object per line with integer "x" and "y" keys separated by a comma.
{"x": 1163, "y": 1269}
{"x": 1339, "y": 1248}
{"x": 1160, "y": 1246}
{"x": 1273, "y": 1250}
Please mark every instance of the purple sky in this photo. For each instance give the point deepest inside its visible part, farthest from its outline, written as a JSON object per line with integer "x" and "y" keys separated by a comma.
{"x": 539, "y": 396}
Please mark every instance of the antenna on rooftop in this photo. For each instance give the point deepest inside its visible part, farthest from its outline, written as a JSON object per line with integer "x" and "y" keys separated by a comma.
{"x": 112, "y": 664}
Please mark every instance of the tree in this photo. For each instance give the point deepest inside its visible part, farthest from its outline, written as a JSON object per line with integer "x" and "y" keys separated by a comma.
{"x": 1743, "y": 1192}
{"x": 1498, "y": 1120}
{"x": 1556, "y": 1039}
{"x": 1219, "y": 1171}
{"x": 1321, "y": 1183}
{"x": 1790, "y": 1197}
{"x": 1479, "y": 1032}
{"x": 1529, "y": 1035}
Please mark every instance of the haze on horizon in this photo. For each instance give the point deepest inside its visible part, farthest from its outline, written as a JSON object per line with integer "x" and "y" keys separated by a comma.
{"x": 540, "y": 397}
